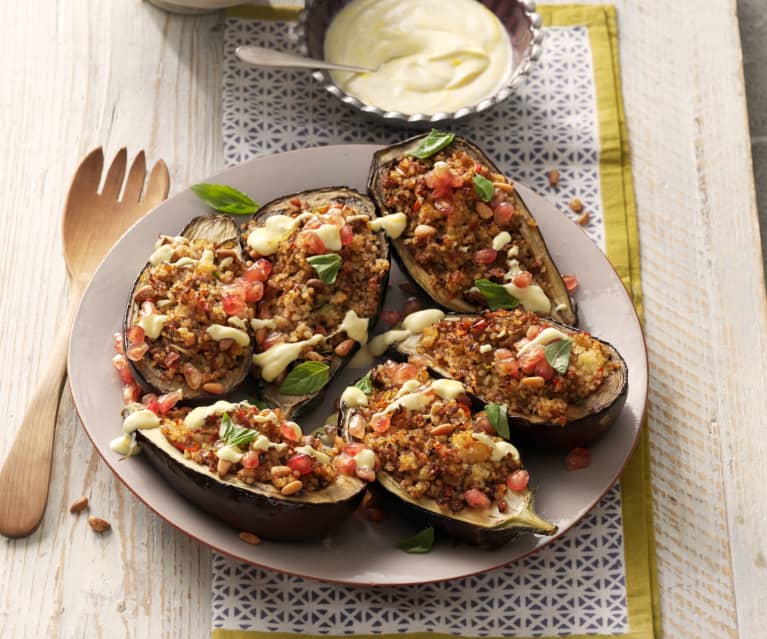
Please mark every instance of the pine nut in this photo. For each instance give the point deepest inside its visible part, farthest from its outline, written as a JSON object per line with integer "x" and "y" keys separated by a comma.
{"x": 442, "y": 429}
{"x": 223, "y": 467}
{"x": 345, "y": 347}
{"x": 99, "y": 525}
{"x": 78, "y": 505}
{"x": 583, "y": 220}
{"x": 250, "y": 538}
{"x": 554, "y": 178}
{"x": 292, "y": 488}
{"x": 576, "y": 206}
{"x": 214, "y": 388}
{"x": 424, "y": 232}
{"x": 504, "y": 186}
{"x": 533, "y": 382}
{"x": 483, "y": 210}
{"x": 281, "y": 471}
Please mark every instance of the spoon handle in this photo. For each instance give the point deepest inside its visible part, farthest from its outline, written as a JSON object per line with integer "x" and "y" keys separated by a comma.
{"x": 26, "y": 473}
{"x": 271, "y": 59}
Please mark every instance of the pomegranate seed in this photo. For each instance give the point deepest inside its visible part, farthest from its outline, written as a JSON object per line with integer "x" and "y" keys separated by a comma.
{"x": 518, "y": 480}
{"x": 170, "y": 359}
{"x": 476, "y": 498}
{"x": 117, "y": 342}
{"x": 390, "y": 317}
{"x": 233, "y": 305}
{"x": 192, "y": 375}
{"x": 571, "y": 282}
{"x": 485, "y": 256}
{"x": 578, "y": 458}
{"x": 250, "y": 460}
{"x": 381, "y": 423}
{"x": 301, "y": 463}
{"x": 345, "y": 464}
{"x": 121, "y": 364}
{"x": 347, "y": 235}
{"x": 412, "y": 304}
{"x": 254, "y": 292}
{"x": 523, "y": 279}
{"x": 136, "y": 352}
{"x": 169, "y": 400}
{"x": 135, "y": 335}
{"x": 503, "y": 214}
{"x": 131, "y": 393}
{"x": 291, "y": 431}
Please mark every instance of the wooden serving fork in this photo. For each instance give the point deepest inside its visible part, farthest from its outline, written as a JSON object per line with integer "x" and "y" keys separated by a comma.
{"x": 92, "y": 222}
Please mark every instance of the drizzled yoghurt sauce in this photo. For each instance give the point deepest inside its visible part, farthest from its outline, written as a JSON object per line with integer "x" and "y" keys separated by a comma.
{"x": 434, "y": 55}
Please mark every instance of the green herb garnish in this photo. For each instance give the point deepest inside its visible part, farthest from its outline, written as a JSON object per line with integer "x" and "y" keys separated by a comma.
{"x": 258, "y": 403}
{"x": 327, "y": 266}
{"x": 558, "y": 354}
{"x": 483, "y": 188}
{"x": 421, "y": 542}
{"x": 365, "y": 384}
{"x": 306, "y": 378}
{"x": 234, "y": 435}
{"x": 499, "y": 418}
{"x": 433, "y": 143}
{"x": 495, "y": 295}
{"x": 225, "y": 198}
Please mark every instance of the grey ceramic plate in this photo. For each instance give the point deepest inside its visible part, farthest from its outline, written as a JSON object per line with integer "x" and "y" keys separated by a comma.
{"x": 361, "y": 552}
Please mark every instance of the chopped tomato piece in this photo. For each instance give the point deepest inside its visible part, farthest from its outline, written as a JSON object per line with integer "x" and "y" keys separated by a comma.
{"x": 531, "y": 357}
{"x": 366, "y": 474}
{"x": 254, "y": 292}
{"x": 578, "y": 458}
{"x": 476, "y": 498}
{"x": 301, "y": 463}
{"x": 136, "y": 335}
{"x": 345, "y": 464}
{"x": 523, "y": 279}
{"x": 131, "y": 393}
{"x": 357, "y": 426}
{"x": 233, "y": 304}
{"x": 544, "y": 369}
{"x": 533, "y": 331}
{"x": 347, "y": 234}
{"x": 352, "y": 448}
{"x": 404, "y": 372}
{"x": 169, "y": 400}
{"x": 518, "y": 480}
{"x": 571, "y": 282}
{"x": 117, "y": 342}
{"x": 311, "y": 243}
{"x": 123, "y": 370}
{"x": 485, "y": 256}
{"x": 381, "y": 423}
{"x": 508, "y": 367}
{"x": 151, "y": 402}
{"x": 170, "y": 359}
{"x": 259, "y": 272}
{"x": 290, "y": 431}
{"x": 478, "y": 325}
{"x": 135, "y": 352}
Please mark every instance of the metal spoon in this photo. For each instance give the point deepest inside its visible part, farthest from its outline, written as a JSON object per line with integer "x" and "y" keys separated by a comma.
{"x": 270, "y": 59}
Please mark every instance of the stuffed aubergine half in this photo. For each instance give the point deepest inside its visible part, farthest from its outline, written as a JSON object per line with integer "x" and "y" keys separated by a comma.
{"x": 248, "y": 466}
{"x": 561, "y": 387}
{"x": 468, "y": 239}
{"x": 327, "y": 269}
{"x": 438, "y": 458}
{"x": 186, "y": 328}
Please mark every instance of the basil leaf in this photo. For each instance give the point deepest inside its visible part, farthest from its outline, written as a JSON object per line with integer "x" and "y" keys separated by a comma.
{"x": 365, "y": 384}
{"x": 421, "y": 542}
{"x": 306, "y": 378}
{"x": 483, "y": 188}
{"x": 225, "y": 430}
{"x": 499, "y": 418}
{"x": 433, "y": 143}
{"x": 496, "y": 296}
{"x": 258, "y": 403}
{"x": 225, "y": 198}
{"x": 327, "y": 266}
{"x": 242, "y": 437}
{"x": 558, "y": 354}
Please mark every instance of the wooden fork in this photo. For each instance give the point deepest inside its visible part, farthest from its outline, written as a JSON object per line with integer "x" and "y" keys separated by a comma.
{"x": 92, "y": 222}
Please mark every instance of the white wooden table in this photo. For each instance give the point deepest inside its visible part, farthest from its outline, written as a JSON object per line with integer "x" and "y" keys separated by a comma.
{"x": 77, "y": 74}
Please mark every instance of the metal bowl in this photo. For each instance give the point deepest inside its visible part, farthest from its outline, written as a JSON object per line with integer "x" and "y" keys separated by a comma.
{"x": 518, "y": 16}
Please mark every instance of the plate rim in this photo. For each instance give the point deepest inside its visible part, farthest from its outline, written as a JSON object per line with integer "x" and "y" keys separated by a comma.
{"x": 111, "y": 464}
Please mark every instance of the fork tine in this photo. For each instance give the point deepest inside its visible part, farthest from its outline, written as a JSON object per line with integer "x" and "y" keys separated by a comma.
{"x": 88, "y": 174}
{"x": 115, "y": 176}
{"x": 135, "y": 180}
{"x": 158, "y": 184}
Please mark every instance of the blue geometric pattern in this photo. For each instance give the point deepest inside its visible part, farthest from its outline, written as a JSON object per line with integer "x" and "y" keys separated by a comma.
{"x": 575, "y": 585}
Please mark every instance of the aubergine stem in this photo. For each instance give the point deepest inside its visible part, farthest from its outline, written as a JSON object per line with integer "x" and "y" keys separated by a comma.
{"x": 92, "y": 223}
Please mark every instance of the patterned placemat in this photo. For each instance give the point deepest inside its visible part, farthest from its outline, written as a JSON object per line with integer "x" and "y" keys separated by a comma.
{"x": 599, "y": 577}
